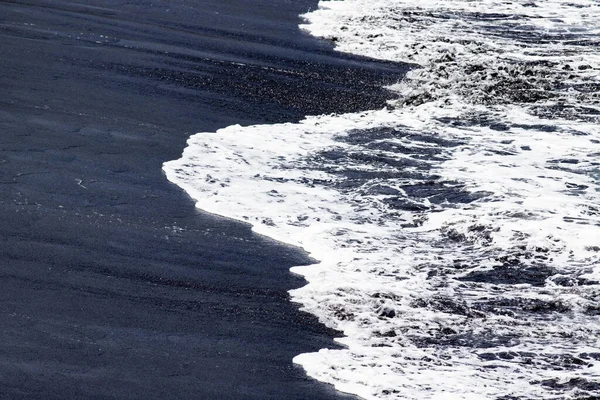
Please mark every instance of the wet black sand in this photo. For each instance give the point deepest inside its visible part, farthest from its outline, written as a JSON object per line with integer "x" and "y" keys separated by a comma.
{"x": 111, "y": 284}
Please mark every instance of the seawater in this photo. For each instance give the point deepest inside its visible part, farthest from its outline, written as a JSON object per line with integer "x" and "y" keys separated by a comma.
{"x": 458, "y": 229}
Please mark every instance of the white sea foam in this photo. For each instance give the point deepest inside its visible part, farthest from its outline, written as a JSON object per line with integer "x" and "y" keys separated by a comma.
{"x": 457, "y": 231}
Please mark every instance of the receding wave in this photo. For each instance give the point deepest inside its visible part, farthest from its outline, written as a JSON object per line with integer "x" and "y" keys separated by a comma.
{"x": 458, "y": 230}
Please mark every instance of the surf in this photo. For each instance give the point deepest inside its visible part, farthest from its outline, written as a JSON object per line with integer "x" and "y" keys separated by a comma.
{"x": 456, "y": 230}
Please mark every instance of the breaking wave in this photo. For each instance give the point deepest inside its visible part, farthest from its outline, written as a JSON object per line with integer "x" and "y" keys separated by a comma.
{"x": 458, "y": 229}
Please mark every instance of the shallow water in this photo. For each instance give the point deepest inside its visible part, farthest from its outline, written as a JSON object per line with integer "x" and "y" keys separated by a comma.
{"x": 458, "y": 228}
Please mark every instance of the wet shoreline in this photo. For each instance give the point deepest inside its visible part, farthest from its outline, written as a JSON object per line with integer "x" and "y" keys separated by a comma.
{"x": 113, "y": 285}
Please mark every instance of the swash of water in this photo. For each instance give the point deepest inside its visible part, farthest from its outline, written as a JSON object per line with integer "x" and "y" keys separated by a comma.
{"x": 458, "y": 229}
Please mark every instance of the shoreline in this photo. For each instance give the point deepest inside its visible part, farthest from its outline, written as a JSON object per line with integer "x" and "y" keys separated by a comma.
{"x": 113, "y": 284}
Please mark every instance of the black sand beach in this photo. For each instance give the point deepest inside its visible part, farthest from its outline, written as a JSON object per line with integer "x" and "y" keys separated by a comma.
{"x": 112, "y": 285}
